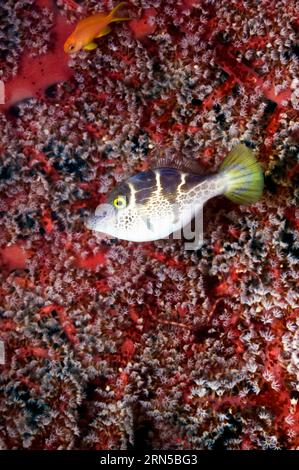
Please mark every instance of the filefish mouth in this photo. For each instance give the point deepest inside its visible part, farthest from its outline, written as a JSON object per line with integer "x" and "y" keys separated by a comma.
{"x": 91, "y": 223}
{"x": 103, "y": 214}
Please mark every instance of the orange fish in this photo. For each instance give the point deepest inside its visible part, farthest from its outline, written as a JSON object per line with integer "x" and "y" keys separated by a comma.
{"x": 90, "y": 28}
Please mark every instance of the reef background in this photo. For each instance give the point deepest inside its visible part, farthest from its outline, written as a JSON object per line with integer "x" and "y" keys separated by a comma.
{"x": 113, "y": 345}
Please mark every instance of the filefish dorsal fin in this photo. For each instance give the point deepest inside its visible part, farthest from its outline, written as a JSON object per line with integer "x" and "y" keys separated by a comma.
{"x": 179, "y": 162}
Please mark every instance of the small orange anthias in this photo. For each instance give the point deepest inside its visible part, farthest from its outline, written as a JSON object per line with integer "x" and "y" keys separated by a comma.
{"x": 88, "y": 29}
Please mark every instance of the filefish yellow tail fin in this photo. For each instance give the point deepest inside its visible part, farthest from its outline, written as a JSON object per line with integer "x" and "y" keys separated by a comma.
{"x": 112, "y": 13}
{"x": 243, "y": 175}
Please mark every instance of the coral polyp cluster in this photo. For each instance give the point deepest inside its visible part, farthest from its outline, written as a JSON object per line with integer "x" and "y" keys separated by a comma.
{"x": 118, "y": 345}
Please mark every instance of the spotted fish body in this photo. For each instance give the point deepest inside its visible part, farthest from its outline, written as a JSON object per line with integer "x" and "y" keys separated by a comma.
{"x": 160, "y": 201}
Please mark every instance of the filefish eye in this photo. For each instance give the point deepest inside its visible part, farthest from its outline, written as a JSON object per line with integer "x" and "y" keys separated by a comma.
{"x": 120, "y": 202}
{"x": 71, "y": 47}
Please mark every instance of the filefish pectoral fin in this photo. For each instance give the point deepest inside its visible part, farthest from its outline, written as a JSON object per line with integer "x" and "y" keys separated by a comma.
{"x": 90, "y": 47}
{"x": 104, "y": 31}
{"x": 176, "y": 214}
{"x": 149, "y": 224}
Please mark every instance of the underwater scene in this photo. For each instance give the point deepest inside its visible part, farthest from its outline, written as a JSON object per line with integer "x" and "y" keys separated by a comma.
{"x": 149, "y": 246}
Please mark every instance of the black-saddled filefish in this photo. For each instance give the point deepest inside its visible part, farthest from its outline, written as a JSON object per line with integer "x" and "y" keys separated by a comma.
{"x": 155, "y": 203}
